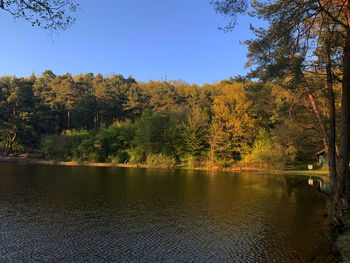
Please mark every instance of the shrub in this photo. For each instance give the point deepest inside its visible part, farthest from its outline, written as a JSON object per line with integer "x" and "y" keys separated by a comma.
{"x": 265, "y": 153}
{"x": 160, "y": 160}
{"x": 65, "y": 146}
{"x": 188, "y": 160}
{"x": 112, "y": 143}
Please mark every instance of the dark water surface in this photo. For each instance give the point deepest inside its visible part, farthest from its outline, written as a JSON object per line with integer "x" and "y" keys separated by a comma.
{"x": 86, "y": 214}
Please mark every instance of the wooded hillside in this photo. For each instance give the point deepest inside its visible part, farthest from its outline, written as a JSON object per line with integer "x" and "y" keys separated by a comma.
{"x": 162, "y": 123}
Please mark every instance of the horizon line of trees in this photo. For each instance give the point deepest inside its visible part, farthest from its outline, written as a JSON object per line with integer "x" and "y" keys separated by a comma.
{"x": 117, "y": 119}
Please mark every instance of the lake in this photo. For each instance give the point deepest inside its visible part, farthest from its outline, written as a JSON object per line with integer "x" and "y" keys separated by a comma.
{"x": 91, "y": 214}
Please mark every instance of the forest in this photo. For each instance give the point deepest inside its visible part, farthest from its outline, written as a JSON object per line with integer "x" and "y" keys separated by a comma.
{"x": 234, "y": 123}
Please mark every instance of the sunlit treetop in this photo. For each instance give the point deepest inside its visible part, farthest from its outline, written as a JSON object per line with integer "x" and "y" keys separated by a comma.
{"x": 337, "y": 10}
{"x": 47, "y": 14}
{"x": 296, "y": 32}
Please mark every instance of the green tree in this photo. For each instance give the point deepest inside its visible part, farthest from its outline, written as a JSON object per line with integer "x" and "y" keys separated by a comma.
{"x": 136, "y": 101}
{"x": 46, "y": 115}
{"x": 162, "y": 97}
{"x": 113, "y": 142}
{"x": 18, "y": 106}
{"x": 109, "y": 99}
{"x": 194, "y": 133}
{"x": 67, "y": 97}
{"x": 86, "y": 108}
{"x": 148, "y": 133}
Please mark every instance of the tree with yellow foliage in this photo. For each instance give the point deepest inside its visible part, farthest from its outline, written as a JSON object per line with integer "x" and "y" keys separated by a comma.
{"x": 233, "y": 126}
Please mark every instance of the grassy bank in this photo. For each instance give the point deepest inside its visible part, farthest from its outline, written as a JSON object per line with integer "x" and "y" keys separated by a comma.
{"x": 319, "y": 172}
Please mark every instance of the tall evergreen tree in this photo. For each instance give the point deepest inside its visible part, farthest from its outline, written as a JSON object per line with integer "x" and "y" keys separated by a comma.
{"x": 286, "y": 48}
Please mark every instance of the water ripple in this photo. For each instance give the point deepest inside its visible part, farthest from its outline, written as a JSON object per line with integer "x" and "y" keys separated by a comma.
{"x": 116, "y": 215}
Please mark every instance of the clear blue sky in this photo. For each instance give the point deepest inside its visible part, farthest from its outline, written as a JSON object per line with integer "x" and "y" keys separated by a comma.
{"x": 144, "y": 39}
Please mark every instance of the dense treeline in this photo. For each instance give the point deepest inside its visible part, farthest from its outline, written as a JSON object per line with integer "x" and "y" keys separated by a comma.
{"x": 160, "y": 123}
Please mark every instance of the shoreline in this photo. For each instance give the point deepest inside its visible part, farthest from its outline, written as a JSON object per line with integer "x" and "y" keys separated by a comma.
{"x": 59, "y": 163}
{"x": 318, "y": 173}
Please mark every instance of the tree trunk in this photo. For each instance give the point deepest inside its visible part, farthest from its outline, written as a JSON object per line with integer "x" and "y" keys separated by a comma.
{"x": 341, "y": 195}
{"x": 9, "y": 143}
{"x": 318, "y": 116}
{"x": 331, "y": 151}
{"x": 68, "y": 120}
{"x": 212, "y": 152}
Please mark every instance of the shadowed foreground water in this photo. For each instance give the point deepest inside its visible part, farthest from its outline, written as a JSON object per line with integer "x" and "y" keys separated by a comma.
{"x": 86, "y": 214}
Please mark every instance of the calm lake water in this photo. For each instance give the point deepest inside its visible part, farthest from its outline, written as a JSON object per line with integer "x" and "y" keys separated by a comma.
{"x": 87, "y": 214}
